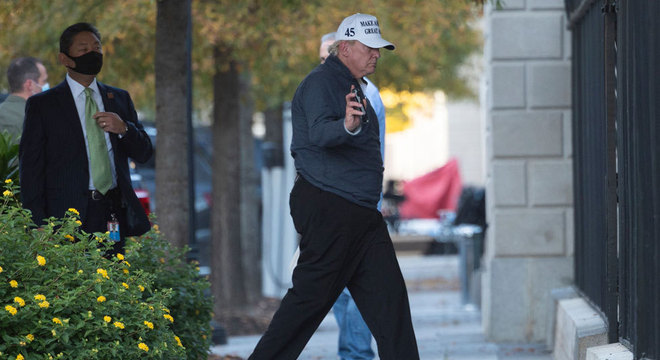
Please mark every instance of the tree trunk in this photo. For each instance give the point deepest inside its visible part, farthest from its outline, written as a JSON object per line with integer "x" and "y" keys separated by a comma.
{"x": 226, "y": 261}
{"x": 250, "y": 199}
{"x": 171, "y": 114}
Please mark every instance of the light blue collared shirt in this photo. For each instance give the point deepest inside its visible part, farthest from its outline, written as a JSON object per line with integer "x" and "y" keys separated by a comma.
{"x": 371, "y": 92}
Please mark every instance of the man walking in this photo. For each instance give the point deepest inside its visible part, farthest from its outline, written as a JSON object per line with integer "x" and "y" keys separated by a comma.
{"x": 354, "y": 335}
{"x": 345, "y": 242}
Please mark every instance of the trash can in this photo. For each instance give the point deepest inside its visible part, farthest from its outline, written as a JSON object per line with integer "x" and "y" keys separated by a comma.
{"x": 469, "y": 239}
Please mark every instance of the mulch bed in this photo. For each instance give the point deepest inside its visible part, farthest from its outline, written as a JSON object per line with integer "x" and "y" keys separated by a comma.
{"x": 249, "y": 321}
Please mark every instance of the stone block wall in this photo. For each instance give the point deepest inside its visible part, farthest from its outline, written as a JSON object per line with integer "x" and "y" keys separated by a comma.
{"x": 529, "y": 244}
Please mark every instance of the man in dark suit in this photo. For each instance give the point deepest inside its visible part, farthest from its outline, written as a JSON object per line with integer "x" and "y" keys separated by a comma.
{"x": 76, "y": 142}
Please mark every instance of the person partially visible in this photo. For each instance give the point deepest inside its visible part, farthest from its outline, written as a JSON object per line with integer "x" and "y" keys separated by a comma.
{"x": 76, "y": 142}
{"x": 354, "y": 335}
{"x": 344, "y": 239}
{"x": 26, "y": 76}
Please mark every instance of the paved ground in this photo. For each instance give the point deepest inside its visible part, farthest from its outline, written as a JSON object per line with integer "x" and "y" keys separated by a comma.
{"x": 445, "y": 328}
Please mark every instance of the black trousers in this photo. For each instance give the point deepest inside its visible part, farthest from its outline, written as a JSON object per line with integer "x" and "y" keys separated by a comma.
{"x": 342, "y": 245}
{"x": 99, "y": 211}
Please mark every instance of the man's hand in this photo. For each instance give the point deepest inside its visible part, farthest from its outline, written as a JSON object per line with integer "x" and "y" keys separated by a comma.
{"x": 110, "y": 122}
{"x": 353, "y": 112}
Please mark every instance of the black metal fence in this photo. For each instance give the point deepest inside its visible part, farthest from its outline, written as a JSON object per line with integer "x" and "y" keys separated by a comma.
{"x": 616, "y": 141}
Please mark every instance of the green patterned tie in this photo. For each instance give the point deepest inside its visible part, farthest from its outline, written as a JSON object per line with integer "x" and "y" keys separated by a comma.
{"x": 98, "y": 149}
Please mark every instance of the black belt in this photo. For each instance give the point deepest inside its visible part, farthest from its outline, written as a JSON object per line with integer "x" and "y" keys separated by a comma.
{"x": 96, "y": 195}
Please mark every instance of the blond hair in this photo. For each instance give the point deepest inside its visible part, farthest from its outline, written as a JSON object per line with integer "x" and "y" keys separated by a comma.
{"x": 334, "y": 48}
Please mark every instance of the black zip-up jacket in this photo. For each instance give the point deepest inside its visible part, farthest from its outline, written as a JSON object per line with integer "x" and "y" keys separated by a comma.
{"x": 325, "y": 153}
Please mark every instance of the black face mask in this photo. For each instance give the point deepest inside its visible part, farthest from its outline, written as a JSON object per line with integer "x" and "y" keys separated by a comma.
{"x": 88, "y": 64}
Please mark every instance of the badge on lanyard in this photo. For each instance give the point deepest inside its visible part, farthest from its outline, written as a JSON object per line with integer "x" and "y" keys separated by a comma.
{"x": 113, "y": 228}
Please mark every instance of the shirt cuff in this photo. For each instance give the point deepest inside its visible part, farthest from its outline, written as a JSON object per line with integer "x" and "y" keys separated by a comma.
{"x": 354, "y": 132}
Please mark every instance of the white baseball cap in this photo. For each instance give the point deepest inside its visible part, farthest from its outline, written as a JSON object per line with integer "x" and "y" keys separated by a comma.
{"x": 363, "y": 28}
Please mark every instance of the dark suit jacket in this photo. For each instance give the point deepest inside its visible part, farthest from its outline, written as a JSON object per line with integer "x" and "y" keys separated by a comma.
{"x": 54, "y": 170}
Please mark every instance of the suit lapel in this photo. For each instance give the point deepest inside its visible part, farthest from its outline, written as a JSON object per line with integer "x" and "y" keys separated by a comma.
{"x": 110, "y": 105}
{"x": 69, "y": 113}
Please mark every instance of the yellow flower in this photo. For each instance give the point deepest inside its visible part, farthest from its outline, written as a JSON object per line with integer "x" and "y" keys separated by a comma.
{"x": 118, "y": 324}
{"x": 8, "y": 181}
{"x": 57, "y": 321}
{"x": 143, "y": 346}
{"x": 100, "y": 299}
{"x": 120, "y": 256}
{"x": 53, "y": 332}
{"x": 78, "y": 222}
{"x": 124, "y": 285}
{"x": 44, "y": 304}
{"x": 29, "y": 337}
{"x": 13, "y": 283}
{"x": 103, "y": 273}
{"x": 141, "y": 287}
{"x": 125, "y": 271}
{"x": 166, "y": 310}
{"x": 1, "y": 269}
{"x": 127, "y": 263}
{"x": 20, "y": 357}
{"x": 69, "y": 237}
{"x": 41, "y": 260}
{"x": 150, "y": 325}
{"x": 7, "y": 193}
{"x": 74, "y": 211}
{"x": 80, "y": 271}
{"x": 168, "y": 317}
{"x": 107, "y": 319}
{"x": 19, "y": 301}
{"x": 39, "y": 297}
{"x": 12, "y": 310}
{"x": 178, "y": 341}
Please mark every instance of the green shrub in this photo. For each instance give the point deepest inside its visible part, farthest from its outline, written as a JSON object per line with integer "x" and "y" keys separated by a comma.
{"x": 60, "y": 298}
{"x": 8, "y": 157}
{"x": 191, "y": 302}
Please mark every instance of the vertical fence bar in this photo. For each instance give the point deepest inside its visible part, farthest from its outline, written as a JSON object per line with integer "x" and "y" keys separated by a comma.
{"x": 611, "y": 245}
{"x": 627, "y": 313}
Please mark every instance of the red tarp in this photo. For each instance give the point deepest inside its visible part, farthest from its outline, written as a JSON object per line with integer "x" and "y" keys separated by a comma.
{"x": 432, "y": 192}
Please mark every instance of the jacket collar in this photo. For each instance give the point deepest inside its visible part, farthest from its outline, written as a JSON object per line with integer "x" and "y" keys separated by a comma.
{"x": 334, "y": 63}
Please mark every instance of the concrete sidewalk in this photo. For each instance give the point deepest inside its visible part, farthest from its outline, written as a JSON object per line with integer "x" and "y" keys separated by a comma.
{"x": 445, "y": 329}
